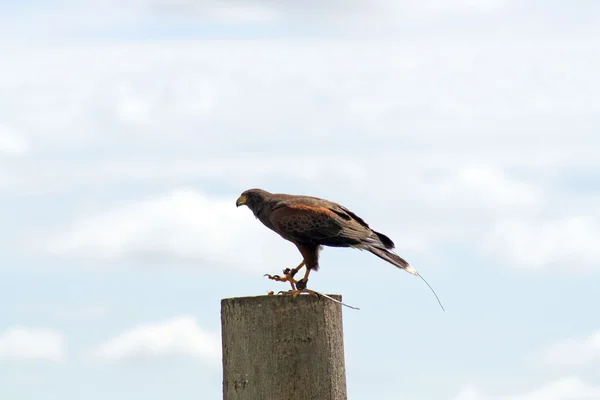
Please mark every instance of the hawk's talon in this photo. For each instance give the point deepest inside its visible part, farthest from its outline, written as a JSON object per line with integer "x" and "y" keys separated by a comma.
{"x": 277, "y": 278}
{"x": 287, "y": 278}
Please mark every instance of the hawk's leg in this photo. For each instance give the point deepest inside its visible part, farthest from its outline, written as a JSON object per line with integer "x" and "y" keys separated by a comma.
{"x": 301, "y": 286}
{"x": 289, "y": 275}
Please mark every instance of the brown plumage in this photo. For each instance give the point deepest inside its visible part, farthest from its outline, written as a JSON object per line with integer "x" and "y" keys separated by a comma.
{"x": 311, "y": 222}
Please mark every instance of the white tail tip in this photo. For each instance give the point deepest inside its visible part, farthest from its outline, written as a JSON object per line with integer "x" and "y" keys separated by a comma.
{"x": 411, "y": 270}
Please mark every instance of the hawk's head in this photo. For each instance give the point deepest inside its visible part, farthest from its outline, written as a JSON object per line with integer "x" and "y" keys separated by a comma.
{"x": 253, "y": 199}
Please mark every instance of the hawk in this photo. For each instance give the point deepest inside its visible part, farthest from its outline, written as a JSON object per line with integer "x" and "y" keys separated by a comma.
{"x": 311, "y": 223}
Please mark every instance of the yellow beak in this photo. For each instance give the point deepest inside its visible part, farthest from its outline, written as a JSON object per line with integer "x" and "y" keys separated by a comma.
{"x": 240, "y": 201}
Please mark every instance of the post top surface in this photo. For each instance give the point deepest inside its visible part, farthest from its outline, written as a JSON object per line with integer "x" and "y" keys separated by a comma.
{"x": 267, "y": 298}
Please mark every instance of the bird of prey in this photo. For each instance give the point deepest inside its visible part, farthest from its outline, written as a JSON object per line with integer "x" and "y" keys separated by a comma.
{"x": 311, "y": 223}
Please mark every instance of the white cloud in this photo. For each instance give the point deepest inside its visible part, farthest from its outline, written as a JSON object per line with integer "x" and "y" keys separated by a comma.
{"x": 404, "y": 18}
{"x": 570, "y": 242}
{"x": 331, "y": 10}
{"x": 233, "y": 169}
{"x": 131, "y": 107}
{"x": 450, "y": 150}
{"x": 183, "y": 225}
{"x": 191, "y": 90}
{"x": 573, "y": 352}
{"x": 11, "y": 142}
{"x": 440, "y": 7}
{"x": 470, "y": 393}
{"x": 27, "y": 344}
{"x": 486, "y": 187}
{"x": 180, "y": 336}
{"x": 568, "y": 388}
{"x": 187, "y": 226}
{"x": 435, "y": 201}
{"x": 237, "y": 12}
{"x": 445, "y": 128}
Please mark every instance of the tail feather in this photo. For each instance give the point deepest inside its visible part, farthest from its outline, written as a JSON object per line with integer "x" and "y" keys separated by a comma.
{"x": 386, "y": 241}
{"x": 398, "y": 261}
{"x": 392, "y": 258}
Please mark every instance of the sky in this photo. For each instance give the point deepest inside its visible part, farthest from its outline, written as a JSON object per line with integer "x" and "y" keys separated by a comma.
{"x": 466, "y": 130}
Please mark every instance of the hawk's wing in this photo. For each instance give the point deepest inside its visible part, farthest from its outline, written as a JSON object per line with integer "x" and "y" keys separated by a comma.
{"x": 316, "y": 223}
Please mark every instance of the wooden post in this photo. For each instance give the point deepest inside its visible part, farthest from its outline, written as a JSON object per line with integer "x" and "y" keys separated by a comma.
{"x": 283, "y": 348}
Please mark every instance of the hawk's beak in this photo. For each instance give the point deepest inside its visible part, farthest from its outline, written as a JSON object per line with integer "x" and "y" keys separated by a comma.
{"x": 240, "y": 201}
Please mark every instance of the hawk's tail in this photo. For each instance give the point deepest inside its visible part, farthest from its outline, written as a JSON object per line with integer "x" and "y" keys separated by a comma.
{"x": 392, "y": 258}
{"x": 399, "y": 262}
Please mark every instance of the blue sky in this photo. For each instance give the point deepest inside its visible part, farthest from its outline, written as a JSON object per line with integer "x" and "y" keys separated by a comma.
{"x": 466, "y": 130}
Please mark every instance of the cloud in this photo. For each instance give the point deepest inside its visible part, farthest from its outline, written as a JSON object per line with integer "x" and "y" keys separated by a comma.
{"x": 403, "y": 18}
{"x": 224, "y": 11}
{"x": 11, "y": 142}
{"x": 548, "y": 243}
{"x": 432, "y": 8}
{"x": 184, "y": 225}
{"x": 187, "y": 226}
{"x": 332, "y": 11}
{"x": 179, "y": 336}
{"x": 449, "y": 200}
{"x": 573, "y": 352}
{"x": 470, "y": 393}
{"x": 377, "y": 125}
{"x": 484, "y": 186}
{"x": 130, "y": 95}
{"x": 268, "y": 10}
{"x": 568, "y": 388}
{"x": 27, "y": 344}
{"x": 131, "y": 107}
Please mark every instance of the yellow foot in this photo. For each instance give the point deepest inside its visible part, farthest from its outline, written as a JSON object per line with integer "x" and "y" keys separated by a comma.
{"x": 288, "y": 277}
{"x": 296, "y": 292}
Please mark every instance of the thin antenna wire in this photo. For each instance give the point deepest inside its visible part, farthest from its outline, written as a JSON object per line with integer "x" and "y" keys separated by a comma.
{"x": 436, "y": 296}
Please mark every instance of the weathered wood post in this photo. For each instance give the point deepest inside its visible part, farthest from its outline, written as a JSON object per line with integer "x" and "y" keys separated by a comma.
{"x": 283, "y": 348}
